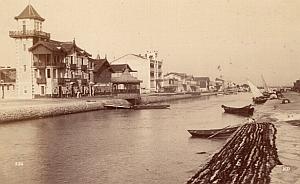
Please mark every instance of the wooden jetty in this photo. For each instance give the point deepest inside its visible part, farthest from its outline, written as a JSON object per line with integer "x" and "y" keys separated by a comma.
{"x": 247, "y": 158}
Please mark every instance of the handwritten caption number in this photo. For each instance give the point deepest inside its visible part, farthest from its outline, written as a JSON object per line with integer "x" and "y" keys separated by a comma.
{"x": 18, "y": 164}
{"x": 286, "y": 168}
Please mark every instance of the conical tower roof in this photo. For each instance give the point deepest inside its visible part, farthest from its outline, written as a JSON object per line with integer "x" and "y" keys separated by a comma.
{"x": 29, "y": 13}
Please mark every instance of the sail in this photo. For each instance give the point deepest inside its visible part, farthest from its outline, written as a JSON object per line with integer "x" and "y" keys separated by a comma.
{"x": 255, "y": 91}
{"x": 266, "y": 89}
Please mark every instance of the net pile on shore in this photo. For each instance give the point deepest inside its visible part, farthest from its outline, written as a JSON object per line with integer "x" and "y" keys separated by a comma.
{"x": 248, "y": 157}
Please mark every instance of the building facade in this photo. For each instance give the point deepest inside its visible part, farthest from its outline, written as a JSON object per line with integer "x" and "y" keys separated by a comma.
{"x": 60, "y": 69}
{"x": 202, "y": 83}
{"x": 148, "y": 67}
{"x": 45, "y": 67}
{"x": 7, "y": 82}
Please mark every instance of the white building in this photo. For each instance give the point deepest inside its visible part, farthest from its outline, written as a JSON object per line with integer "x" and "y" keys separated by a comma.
{"x": 45, "y": 67}
{"x": 28, "y": 33}
{"x": 148, "y": 67}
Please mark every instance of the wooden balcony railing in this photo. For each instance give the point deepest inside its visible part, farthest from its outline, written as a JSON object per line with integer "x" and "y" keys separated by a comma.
{"x": 39, "y": 64}
{"x": 73, "y": 66}
{"x": 43, "y": 64}
{"x": 84, "y": 67}
{"x": 29, "y": 33}
{"x": 41, "y": 80}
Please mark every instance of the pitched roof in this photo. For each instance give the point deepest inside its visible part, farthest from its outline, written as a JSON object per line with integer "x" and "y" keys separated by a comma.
{"x": 99, "y": 63}
{"x": 182, "y": 75}
{"x": 125, "y": 77}
{"x": 29, "y": 13}
{"x": 130, "y": 55}
{"x": 120, "y": 68}
{"x": 60, "y": 46}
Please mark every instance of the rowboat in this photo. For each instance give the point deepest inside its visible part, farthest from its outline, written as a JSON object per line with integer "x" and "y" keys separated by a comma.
{"x": 151, "y": 106}
{"x": 216, "y": 133}
{"x": 243, "y": 111}
{"x": 259, "y": 100}
{"x": 113, "y": 106}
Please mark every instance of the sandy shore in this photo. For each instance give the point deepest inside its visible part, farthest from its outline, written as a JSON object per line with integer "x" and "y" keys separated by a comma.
{"x": 286, "y": 118}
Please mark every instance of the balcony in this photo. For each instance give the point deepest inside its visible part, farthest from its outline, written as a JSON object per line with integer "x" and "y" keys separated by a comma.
{"x": 61, "y": 65}
{"x": 84, "y": 67}
{"x": 73, "y": 66}
{"x": 66, "y": 80}
{"x": 41, "y": 80}
{"x": 39, "y": 64}
{"x": 29, "y": 33}
{"x": 84, "y": 82}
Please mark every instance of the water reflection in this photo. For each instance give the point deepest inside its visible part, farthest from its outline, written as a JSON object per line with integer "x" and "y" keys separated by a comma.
{"x": 115, "y": 146}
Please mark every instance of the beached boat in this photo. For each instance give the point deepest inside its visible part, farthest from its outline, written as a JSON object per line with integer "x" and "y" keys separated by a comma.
{"x": 244, "y": 111}
{"x": 150, "y": 106}
{"x": 258, "y": 97}
{"x": 259, "y": 100}
{"x": 114, "y": 106}
{"x": 214, "y": 133}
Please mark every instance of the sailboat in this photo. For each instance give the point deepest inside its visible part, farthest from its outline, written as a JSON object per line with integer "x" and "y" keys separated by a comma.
{"x": 266, "y": 89}
{"x": 258, "y": 97}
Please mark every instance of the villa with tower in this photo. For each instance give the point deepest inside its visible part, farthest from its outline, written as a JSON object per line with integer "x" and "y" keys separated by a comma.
{"x": 45, "y": 67}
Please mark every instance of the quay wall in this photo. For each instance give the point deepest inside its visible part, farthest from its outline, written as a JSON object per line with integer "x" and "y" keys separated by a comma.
{"x": 34, "y": 109}
{"x": 41, "y": 110}
{"x": 171, "y": 97}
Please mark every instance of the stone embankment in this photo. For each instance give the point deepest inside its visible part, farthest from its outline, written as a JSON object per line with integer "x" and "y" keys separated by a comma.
{"x": 38, "y": 108}
{"x": 247, "y": 158}
{"x": 42, "y": 109}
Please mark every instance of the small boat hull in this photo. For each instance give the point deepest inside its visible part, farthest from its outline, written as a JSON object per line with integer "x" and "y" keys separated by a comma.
{"x": 112, "y": 106}
{"x": 150, "y": 106}
{"x": 260, "y": 100}
{"x": 220, "y": 133}
{"x": 243, "y": 111}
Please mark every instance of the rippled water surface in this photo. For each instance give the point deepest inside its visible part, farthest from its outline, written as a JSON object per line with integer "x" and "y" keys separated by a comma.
{"x": 116, "y": 146}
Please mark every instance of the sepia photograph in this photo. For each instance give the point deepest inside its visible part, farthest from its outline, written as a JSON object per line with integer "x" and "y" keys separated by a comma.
{"x": 150, "y": 92}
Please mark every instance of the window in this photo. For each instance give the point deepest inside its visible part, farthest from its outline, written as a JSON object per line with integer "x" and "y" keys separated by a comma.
{"x": 81, "y": 61}
{"x": 54, "y": 73}
{"x": 35, "y": 73}
{"x": 24, "y": 47}
{"x": 7, "y": 87}
{"x": 24, "y": 68}
{"x": 24, "y": 26}
{"x": 71, "y": 59}
{"x": 48, "y": 73}
{"x": 42, "y": 90}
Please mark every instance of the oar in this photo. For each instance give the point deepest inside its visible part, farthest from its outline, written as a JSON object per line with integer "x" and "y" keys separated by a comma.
{"x": 213, "y": 135}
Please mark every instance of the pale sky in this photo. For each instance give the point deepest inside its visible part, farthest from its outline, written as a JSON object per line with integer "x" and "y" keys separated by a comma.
{"x": 246, "y": 38}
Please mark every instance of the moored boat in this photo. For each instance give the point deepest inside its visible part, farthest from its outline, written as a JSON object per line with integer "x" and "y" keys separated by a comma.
{"x": 216, "y": 133}
{"x": 258, "y": 97}
{"x": 244, "y": 111}
{"x": 114, "y": 106}
{"x": 151, "y": 106}
{"x": 259, "y": 100}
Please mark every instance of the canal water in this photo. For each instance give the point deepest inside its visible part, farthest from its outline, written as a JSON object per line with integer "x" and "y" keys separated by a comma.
{"x": 115, "y": 146}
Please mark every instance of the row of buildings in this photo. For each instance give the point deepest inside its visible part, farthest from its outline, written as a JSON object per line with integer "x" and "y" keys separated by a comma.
{"x": 51, "y": 68}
